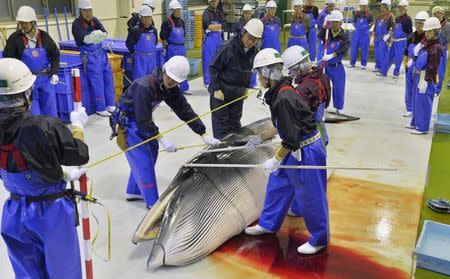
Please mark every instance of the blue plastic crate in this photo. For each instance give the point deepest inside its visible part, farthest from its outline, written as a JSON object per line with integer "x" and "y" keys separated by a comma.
{"x": 433, "y": 247}
{"x": 442, "y": 124}
{"x": 68, "y": 45}
{"x": 65, "y": 102}
{"x": 65, "y": 117}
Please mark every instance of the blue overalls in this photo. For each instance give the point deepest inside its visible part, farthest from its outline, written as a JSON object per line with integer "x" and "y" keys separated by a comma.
{"x": 409, "y": 80}
{"x": 298, "y": 35}
{"x": 381, "y": 47}
{"x": 360, "y": 39}
{"x": 320, "y": 22}
{"x": 44, "y": 93}
{"x": 307, "y": 188}
{"x": 175, "y": 46}
{"x": 211, "y": 44}
{"x": 442, "y": 66}
{"x": 396, "y": 51}
{"x": 271, "y": 34}
{"x": 144, "y": 54}
{"x": 423, "y": 102}
{"x": 41, "y": 236}
{"x": 336, "y": 72}
{"x": 312, "y": 37}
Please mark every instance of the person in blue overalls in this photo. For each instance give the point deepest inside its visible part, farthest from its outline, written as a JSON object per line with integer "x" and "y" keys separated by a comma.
{"x": 330, "y": 6}
{"x": 429, "y": 56}
{"x": 300, "y": 145}
{"x": 416, "y": 37}
{"x": 362, "y": 20}
{"x": 39, "y": 218}
{"x": 338, "y": 44}
{"x": 300, "y": 26}
{"x": 313, "y": 13}
{"x": 134, "y": 116}
{"x": 212, "y": 21}
{"x": 272, "y": 28}
{"x": 444, "y": 37}
{"x": 403, "y": 28}
{"x": 39, "y": 52}
{"x": 172, "y": 35}
{"x": 383, "y": 26}
{"x": 141, "y": 41}
{"x": 89, "y": 34}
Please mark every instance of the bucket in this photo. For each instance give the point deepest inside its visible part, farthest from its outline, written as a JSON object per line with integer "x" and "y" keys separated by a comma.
{"x": 193, "y": 64}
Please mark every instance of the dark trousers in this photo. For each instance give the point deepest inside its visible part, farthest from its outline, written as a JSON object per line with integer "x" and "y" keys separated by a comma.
{"x": 225, "y": 119}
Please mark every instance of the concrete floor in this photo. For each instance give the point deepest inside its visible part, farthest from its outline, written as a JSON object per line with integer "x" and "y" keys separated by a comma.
{"x": 379, "y": 139}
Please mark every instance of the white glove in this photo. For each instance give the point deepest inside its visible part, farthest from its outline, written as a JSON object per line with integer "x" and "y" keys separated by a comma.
{"x": 327, "y": 57}
{"x": 211, "y": 141}
{"x": 79, "y": 118}
{"x": 75, "y": 174}
{"x": 417, "y": 49}
{"x": 253, "y": 142}
{"x": 168, "y": 146}
{"x": 54, "y": 79}
{"x": 386, "y": 37}
{"x": 409, "y": 63}
{"x": 271, "y": 165}
{"x": 423, "y": 86}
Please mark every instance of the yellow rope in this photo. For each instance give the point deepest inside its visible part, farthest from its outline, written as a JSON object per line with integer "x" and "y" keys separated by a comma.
{"x": 169, "y": 130}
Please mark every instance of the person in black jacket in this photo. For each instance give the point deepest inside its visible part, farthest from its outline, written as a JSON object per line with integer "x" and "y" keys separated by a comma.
{"x": 134, "y": 115}
{"x": 39, "y": 52}
{"x": 300, "y": 145}
{"x": 135, "y": 20}
{"x": 230, "y": 72}
{"x": 39, "y": 220}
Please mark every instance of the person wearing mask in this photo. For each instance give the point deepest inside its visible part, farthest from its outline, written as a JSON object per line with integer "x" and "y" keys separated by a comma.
{"x": 231, "y": 70}
{"x": 173, "y": 33}
{"x": 313, "y": 14}
{"x": 229, "y": 11}
{"x": 39, "y": 52}
{"x": 300, "y": 145}
{"x": 415, "y": 38}
{"x": 212, "y": 21}
{"x": 444, "y": 37}
{"x": 141, "y": 42}
{"x": 272, "y": 27}
{"x": 363, "y": 21}
{"x": 330, "y": 6}
{"x": 134, "y": 20}
{"x": 39, "y": 218}
{"x": 300, "y": 26}
{"x": 338, "y": 44}
{"x": 402, "y": 29}
{"x": 429, "y": 56}
{"x": 134, "y": 115}
{"x": 89, "y": 34}
{"x": 383, "y": 26}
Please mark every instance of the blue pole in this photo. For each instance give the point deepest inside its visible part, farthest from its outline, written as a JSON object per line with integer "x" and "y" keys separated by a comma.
{"x": 67, "y": 23}
{"x": 57, "y": 25}
{"x": 46, "y": 18}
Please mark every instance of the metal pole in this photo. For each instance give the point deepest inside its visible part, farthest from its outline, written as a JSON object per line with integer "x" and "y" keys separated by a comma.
{"x": 67, "y": 23}
{"x": 46, "y": 18}
{"x": 57, "y": 24}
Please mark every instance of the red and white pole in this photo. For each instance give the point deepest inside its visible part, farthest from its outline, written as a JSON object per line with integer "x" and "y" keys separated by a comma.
{"x": 83, "y": 186}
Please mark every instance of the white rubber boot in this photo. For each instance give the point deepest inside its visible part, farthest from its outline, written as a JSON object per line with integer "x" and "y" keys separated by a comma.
{"x": 308, "y": 249}
{"x": 256, "y": 230}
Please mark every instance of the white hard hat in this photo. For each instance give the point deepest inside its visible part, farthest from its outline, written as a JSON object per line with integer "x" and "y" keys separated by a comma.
{"x": 297, "y": 3}
{"x": 421, "y": 16}
{"x": 336, "y": 16}
{"x": 26, "y": 14}
{"x": 330, "y": 2}
{"x": 247, "y": 7}
{"x": 145, "y": 10}
{"x": 15, "y": 77}
{"x": 255, "y": 27}
{"x": 431, "y": 24}
{"x": 271, "y": 4}
{"x": 403, "y": 3}
{"x": 174, "y": 4}
{"x": 84, "y": 4}
{"x": 150, "y": 3}
{"x": 363, "y": 2}
{"x": 266, "y": 57}
{"x": 177, "y": 68}
{"x": 386, "y": 2}
{"x": 437, "y": 9}
{"x": 293, "y": 55}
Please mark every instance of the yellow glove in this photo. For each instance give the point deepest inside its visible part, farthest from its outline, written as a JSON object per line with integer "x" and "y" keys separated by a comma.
{"x": 218, "y": 94}
{"x": 405, "y": 61}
